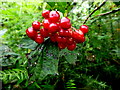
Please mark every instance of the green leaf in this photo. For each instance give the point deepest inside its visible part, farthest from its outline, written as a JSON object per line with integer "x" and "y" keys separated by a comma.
{"x": 46, "y": 62}
{"x": 71, "y": 56}
{"x": 52, "y": 4}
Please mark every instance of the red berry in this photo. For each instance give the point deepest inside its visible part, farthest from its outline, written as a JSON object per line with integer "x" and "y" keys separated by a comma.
{"x": 44, "y": 33}
{"x": 78, "y": 36}
{"x": 80, "y": 40}
{"x": 46, "y": 23}
{"x": 53, "y": 27}
{"x": 36, "y": 25}
{"x": 31, "y": 33}
{"x": 53, "y": 37}
{"x": 39, "y": 39}
{"x": 84, "y": 28}
{"x": 59, "y": 39}
{"x": 71, "y": 47}
{"x": 66, "y": 33}
{"x": 65, "y": 23}
{"x": 54, "y": 16}
{"x": 64, "y": 39}
{"x": 45, "y": 13}
{"x": 63, "y": 32}
{"x": 70, "y": 40}
{"x": 70, "y": 32}
{"x": 61, "y": 45}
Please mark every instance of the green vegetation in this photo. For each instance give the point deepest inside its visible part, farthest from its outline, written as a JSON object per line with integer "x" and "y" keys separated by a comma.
{"x": 93, "y": 65}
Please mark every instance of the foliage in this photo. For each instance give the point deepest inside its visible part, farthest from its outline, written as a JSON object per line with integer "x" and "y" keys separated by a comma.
{"x": 92, "y": 65}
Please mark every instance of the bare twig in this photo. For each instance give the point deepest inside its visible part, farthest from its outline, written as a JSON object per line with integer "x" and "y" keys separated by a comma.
{"x": 116, "y": 62}
{"x": 103, "y": 14}
{"x": 94, "y": 11}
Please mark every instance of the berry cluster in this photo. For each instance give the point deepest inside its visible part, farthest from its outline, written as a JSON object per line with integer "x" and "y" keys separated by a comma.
{"x": 58, "y": 30}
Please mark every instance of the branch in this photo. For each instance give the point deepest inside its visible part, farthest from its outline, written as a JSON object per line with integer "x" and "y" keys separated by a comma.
{"x": 94, "y": 11}
{"x": 103, "y": 14}
{"x": 116, "y": 62}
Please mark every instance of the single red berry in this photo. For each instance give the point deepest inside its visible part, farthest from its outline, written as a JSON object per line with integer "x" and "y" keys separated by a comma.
{"x": 54, "y": 16}
{"x": 61, "y": 39}
{"x": 65, "y": 23}
{"x": 52, "y": 38}
{"x": 77, "y": 33}
{"x": 64, "y": 39}
{"x": 70, "y": 40}
{"x": 84, "y": 28}
{"x": 66, "y": 33}
{"x": 71, "y": 47}
{"x": 44, "y": 33}
{"x": 78, "y": 36}
{"x": 53, "y": 27}
{"x": 39, "y": 39}
{"x": 46, "y": 23}
{"x": 63, "y": 32}
{"x": 31, "y": 33}
{"x": 45, "y": 13}
{"x": 65, "y": 19}
{"x": 80, "y": 40}
{"x": 36, "y": 25}
{"x": 61, "y": 45}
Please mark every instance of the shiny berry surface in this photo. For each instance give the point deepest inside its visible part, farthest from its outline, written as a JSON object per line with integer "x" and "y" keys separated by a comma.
{"x": 54, "y": 16}
{"x": 65, "y": 23}
{"x": 71, "y": 47}
{"x": 39, "y": 39}
{"x": 44, "y": 32}
{"x": 84, "y": 28}
{"x": 53, "y": 27}
{"x": 61, "y": 45}
{"x": 36, "y": 25}
{"x": 46, "y": 23}
{"x": 31, "y": 33}
{"x": 45, "y": 13}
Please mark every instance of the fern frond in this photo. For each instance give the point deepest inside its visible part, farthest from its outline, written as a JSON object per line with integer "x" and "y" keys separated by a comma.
{"x": 13, "y": 75}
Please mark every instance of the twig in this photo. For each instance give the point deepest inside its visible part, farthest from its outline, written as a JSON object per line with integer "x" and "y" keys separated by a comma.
{"x": 116, "y": 62}
{"x": 103, "y": 14}
{"x": 94, "y": 11}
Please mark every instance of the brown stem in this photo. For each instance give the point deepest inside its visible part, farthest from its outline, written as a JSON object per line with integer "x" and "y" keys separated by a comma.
{"x": 94, "y": 11}
{"x": 103, "y": 14}
{"x": 116, "y": 62}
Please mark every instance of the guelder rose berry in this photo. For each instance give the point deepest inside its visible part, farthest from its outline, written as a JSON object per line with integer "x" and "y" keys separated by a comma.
{"x": 61, "y": 45}
{"x": 53, "y": 27}
{"x": 84, "y": 28}
{"x": 31, "y": 33}
{"x": 71, "y": 47}
{"x": 36, "y": 25}
{"x": 65, "y": 23}
{"x": 54, "y": 16}
{"x": 78, "y": 36}
{"x": 46, "y": 23}
{"x": 39, "y": 39}
{"x": 44, "y": 32}
{"x": 45, "y": 13}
